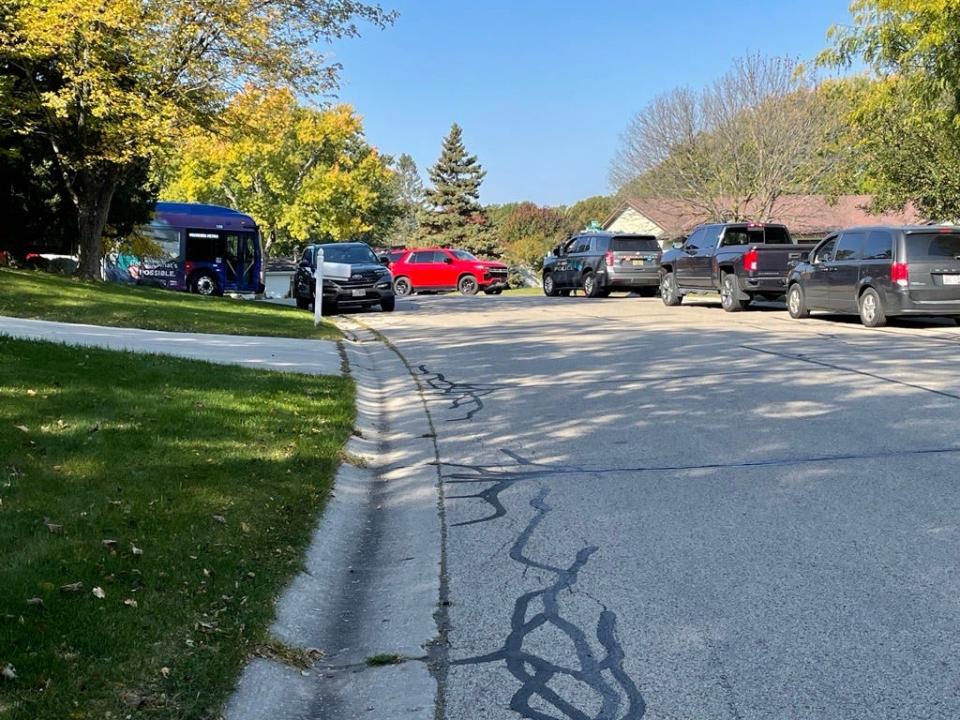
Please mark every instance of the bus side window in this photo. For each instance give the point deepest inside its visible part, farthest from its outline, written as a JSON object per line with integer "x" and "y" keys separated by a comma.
{"x": 205, "y": 246}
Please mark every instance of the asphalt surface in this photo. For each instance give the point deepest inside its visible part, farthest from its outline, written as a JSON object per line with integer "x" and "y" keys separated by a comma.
{"x": 681, "y": 513}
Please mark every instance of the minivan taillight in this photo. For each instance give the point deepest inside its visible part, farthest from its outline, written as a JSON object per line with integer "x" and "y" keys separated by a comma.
{"x": 609, "y": 257}
{"x": 750, "y": 260}
{"x": 900, "y": 274}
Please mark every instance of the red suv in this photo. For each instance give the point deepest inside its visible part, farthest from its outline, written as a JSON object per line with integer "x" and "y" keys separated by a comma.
{"x": 442, "y": 269}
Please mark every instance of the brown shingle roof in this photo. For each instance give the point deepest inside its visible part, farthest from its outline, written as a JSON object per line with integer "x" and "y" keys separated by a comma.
{"x": 803, "y": 214}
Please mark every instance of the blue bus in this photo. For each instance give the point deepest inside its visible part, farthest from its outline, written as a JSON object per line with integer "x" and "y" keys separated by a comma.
{"x": 204, "y": 249}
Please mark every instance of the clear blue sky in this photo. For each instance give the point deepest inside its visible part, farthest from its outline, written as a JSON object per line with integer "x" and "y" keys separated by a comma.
{"x": 543, "y": 89}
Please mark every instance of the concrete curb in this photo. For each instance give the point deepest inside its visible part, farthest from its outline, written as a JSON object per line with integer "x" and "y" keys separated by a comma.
{"x": 372, "y": 579}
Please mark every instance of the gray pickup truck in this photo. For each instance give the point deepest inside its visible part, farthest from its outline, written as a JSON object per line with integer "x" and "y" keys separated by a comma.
{"x": 741, "y": 261}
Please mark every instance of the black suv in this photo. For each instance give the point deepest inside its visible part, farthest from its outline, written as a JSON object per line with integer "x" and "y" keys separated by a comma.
{"x": 876, "y": 272}
{"x": 369, "y": 283}
{"x": 601, "y": 262}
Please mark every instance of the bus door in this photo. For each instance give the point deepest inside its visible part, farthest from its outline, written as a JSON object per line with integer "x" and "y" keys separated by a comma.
{"x": 241, "y": 260}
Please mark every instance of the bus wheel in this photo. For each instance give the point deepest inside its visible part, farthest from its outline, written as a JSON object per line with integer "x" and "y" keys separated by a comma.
{"x": 205, "y": 283}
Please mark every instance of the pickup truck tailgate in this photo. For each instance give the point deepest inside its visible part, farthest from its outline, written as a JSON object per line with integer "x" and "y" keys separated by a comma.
{"x": 778, "y": 260}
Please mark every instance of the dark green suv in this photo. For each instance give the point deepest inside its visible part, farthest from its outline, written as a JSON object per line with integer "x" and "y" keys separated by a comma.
{"x": 602, "y": 262}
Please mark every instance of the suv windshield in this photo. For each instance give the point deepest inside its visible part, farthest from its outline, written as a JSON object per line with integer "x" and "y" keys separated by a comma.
{"x": 634, "y": 244}
{"x": 933, "y": 246}
{"x": 349, "y": 254}
{"x": 464, "y": 255}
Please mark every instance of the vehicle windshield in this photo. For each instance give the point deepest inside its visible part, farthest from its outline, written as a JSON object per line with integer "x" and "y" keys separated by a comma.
{"x": 933, "y": 246}
{"x": 634, "y": 244}
{"x": 464, "y": 255}
{"x": 349, "y": 254}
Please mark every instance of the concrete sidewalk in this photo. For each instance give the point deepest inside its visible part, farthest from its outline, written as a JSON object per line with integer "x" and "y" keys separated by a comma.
{"x": 315, "y": 357}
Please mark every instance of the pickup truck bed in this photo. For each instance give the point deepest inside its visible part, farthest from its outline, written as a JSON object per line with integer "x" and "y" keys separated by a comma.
{"x": 741, "y": 261}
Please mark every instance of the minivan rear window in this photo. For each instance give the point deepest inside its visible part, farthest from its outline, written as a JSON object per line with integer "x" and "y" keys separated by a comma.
{"x": 634, "y": 244}
{"x": 933, "y": 246}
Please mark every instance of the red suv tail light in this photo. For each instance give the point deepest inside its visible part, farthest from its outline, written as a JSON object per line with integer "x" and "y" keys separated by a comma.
{"x": 900, "y": 273}
{"x": 609, "y": 257}
{"x": 750, "y": 260}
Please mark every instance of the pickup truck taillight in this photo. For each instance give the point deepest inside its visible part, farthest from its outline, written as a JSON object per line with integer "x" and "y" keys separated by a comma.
{"x": 900, "y": 274}
{"x": 750, "y": 260}
{"x": 609, "y": 257}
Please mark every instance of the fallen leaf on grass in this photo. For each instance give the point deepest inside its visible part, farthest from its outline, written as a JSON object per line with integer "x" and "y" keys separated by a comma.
{"x": 35, "y": 601}
{"x": 53, "y": 527}
{"x": 72, "y": 587}
{"x": 31, "y": 393}
{"x": 99, "y": 593}
{"x": 220, "y": 519}
{"x": 133, "y": 699}
{"x": 109, "y": 544}
{"x": 130, "y": 602}
{"x": 135, "y": 550}
{"x": 8, "y": 673}
{"x": 22, "y": 428}
{"x": 244, "y": 527}
{"x": 165, "y": 671}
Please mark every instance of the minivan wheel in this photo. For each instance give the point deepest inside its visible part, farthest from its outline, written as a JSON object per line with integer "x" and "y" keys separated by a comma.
{"x": 591, "y": 288}
{"x": 467, "y": 285}
{"x": 872, "y": 313}
{"x": 669, "y": 292}
{"x": 549, "y": 287}
{"x": 797, "y": 303}
{"x": 730, "y": 294}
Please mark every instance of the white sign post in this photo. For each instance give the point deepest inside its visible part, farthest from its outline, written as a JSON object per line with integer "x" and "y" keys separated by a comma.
{"x": 318, "y": 289}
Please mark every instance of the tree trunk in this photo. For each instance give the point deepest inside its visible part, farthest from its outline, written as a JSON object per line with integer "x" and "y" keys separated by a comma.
{"x": 94, "y": 193}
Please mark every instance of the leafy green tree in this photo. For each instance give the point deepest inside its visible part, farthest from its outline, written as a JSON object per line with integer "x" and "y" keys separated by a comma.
{"x": 303, "y": 174}
{"x": 110, "y": 84}
{"x": 452, "y": 214}
{"x": 409, "y": 198}
{"x": 903, "y": 136}
{"x": 594, "y": 209}
{"x": 529, "y": 231}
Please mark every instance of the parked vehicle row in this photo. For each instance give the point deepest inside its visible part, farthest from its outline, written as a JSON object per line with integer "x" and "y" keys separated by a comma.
{"x": 874, "y": 272}
{"x": 379, "y": 280}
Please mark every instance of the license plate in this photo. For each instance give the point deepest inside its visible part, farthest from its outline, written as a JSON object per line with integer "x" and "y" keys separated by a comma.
{"x": 638, "y": 263}
{"x": 951, "y": 279}
{"x": 359, "y": 293}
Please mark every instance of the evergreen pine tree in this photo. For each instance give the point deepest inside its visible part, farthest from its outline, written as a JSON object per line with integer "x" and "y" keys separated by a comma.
{"x": 452, "y": 214}
{"x": 409, "y": 195}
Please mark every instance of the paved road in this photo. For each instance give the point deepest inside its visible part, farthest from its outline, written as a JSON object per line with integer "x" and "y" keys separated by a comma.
{"x": 320, "y": 357}
{"x": 684, "y": 514}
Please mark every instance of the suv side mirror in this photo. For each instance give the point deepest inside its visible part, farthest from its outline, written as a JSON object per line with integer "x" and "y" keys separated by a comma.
{"x": 448, "y": 260}
{"x": 385, "y": 260}
{"x": 678, "y": 244}
{"x": 556, "y": 252}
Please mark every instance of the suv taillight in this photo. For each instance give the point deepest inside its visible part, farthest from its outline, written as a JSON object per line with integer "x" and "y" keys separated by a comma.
{"x": 609, "y": 257}
{"x": 750, "y": 260}
{"x": 900, "y": 273}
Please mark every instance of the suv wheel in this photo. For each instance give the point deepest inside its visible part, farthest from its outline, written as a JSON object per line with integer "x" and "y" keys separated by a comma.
{"x": 549, "y": 288}
{"x": 467, "y": 285}
{"x": 303, "y": 303}
{"x": 388, "y": 304}
{"x": 402, "y": 287}
{"x": 591, "y": 287}
{"x": 730, "y": 293}
{"x": 669, "y": 292}
{"x": 797, "y": 303}
{"x": 872, "y": 313}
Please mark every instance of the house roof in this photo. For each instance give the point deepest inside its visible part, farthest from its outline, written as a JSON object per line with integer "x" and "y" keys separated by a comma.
{"x": 803, "y": 214}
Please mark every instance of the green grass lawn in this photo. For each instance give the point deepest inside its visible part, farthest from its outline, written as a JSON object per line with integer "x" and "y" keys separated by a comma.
{"x": 151, "y": 510}
{"x": 524, "y": 291}
{"x": 53, "y": 297}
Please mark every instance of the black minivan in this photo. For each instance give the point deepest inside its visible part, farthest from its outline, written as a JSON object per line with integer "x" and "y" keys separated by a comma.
{"x": 878, "y": 272}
